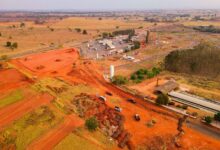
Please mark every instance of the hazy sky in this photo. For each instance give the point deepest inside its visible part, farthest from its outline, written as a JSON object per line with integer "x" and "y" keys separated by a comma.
{"x": 108, "y": 4}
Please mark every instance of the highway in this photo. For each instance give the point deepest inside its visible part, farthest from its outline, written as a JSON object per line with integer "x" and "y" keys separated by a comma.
{"x": 196, "y": 102}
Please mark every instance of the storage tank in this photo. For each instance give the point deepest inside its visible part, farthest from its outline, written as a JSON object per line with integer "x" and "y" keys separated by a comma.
{"x": 112, "y": 71}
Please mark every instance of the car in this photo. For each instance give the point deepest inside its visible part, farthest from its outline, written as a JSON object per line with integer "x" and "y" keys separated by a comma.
{"x": 102, "y": 98}
{"x": 137, "y": 117}
{"x": 108, "y": 93}
{"x": 131, "y": 101}
{"x": 118, "y": 109}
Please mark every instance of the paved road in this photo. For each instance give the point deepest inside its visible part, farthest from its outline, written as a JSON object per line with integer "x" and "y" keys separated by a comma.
{"x": 204, "y": 129}
{"x": 195, "y": 101}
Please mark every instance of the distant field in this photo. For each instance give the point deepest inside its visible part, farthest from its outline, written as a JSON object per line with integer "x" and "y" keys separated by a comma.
{"x": 201, "y": 23}
{"x": 57, "y": 33}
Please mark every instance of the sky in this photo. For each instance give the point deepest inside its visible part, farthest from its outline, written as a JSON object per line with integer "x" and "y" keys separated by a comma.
{"x": 107, "y": 4}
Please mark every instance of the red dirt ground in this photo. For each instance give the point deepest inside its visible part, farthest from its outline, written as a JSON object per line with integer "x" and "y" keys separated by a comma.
{"x": 166, "y": 120}
{"x": 49, "y": 63}
{"x": 54, "y": 136}
{"x": 11, "y": 79}
{"x": 17, "y": 110}
{"x": 88, "y": 73}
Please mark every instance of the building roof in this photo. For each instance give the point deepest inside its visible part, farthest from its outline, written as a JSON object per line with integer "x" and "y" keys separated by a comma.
{"x": 167, "y": 87}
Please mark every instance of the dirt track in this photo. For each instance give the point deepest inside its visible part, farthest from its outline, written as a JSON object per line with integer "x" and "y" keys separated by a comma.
{"x": 54, "y": 136}
{"x": 17, "y": 110}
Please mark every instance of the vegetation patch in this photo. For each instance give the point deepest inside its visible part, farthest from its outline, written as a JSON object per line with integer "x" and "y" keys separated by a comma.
{"x": 202, "y": 60}
{"x": 210, "y": 29}
{"x": 23, "y": 131}
{"x": 143, "y": 74}
{"x": 81, "y": 138}
{"x": 13, "y": 97}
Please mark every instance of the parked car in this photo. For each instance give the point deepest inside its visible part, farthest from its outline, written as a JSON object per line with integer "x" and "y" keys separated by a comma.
{"x": 137, "y": 117}
{"x": 108, "y": 93}
{"x": 131, "y": 101}
{"x": 118, "y": 109}
{"x": 102, "y": 98}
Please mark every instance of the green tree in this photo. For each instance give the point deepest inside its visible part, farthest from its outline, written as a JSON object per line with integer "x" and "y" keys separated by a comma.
{"x": 155, "y": 71}
{"x": 119, "y": 80}
{"x": 14, "y": 45}
{"x": 85, "y": 32}
{"x": 147, "y": 36}
{"x": 217, "y": 116}
{"x": 22, "y": 25}
{"x": 91, "y": 124}
{"x": 208, "y": 119}
{"x": 78, "y": 30}
{"x": 8, "y": 44}
{"x": 162, "y": 99}
{"x": 133, "y": 77}
{"x": 137, "y": 45}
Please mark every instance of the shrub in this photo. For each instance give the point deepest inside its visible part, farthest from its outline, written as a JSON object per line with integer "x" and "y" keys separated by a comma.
{"x": 133, "y": 77}
{"x": 8, "y": 44}
{"x": 155, "y": 71}
{"x": 91, "y": 124}
{"x": 22, "y": 25}
{"x": 137, "y": 45}
{"x": 171, "y": 103}
{"x": 4, "y": 57}
{"x": 105, "y": 35}
{"x": 162, "y": 99}
{"x": 208, "y": 119}
{"x": 184, "y": 106}
{"x": 0, "y": 34}
{"x": 195, "y": 114}
{"x": 78, "y": 30}
{"x": 217, "y": 116}
{"x": 119, "y": 80}
{"x": 85, "y": 32}
{"x": 14, "y": 45}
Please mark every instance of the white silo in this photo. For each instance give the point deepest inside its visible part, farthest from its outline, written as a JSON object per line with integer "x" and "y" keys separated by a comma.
{"x": 112, "y": 71}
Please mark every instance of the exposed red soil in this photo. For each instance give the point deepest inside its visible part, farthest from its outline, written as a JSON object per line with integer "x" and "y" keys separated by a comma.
{"x": 166, "y": 120}
{"x": 17, "y": 110}
{"x": 88, "y": 73}
{"x": 48, "y": 63}
{"x": 54, "y": 136}
{"x": 11, "y": 79}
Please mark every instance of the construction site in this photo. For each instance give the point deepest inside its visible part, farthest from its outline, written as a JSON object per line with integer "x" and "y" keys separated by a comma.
{"x": 93, "y": 81}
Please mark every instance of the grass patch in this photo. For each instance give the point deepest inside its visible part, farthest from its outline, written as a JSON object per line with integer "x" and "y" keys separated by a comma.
{"x": 23, "y": 131}
{"x": 61, "y": 89}
{"x": 13, "y": 97}
{"x": 63, "y": 92}
{"x": 82, "y": 139}
{"x": 75, "y": 142}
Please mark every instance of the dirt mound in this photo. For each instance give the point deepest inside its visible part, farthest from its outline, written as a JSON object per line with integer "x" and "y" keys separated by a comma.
{"x": 109, "y": 120}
